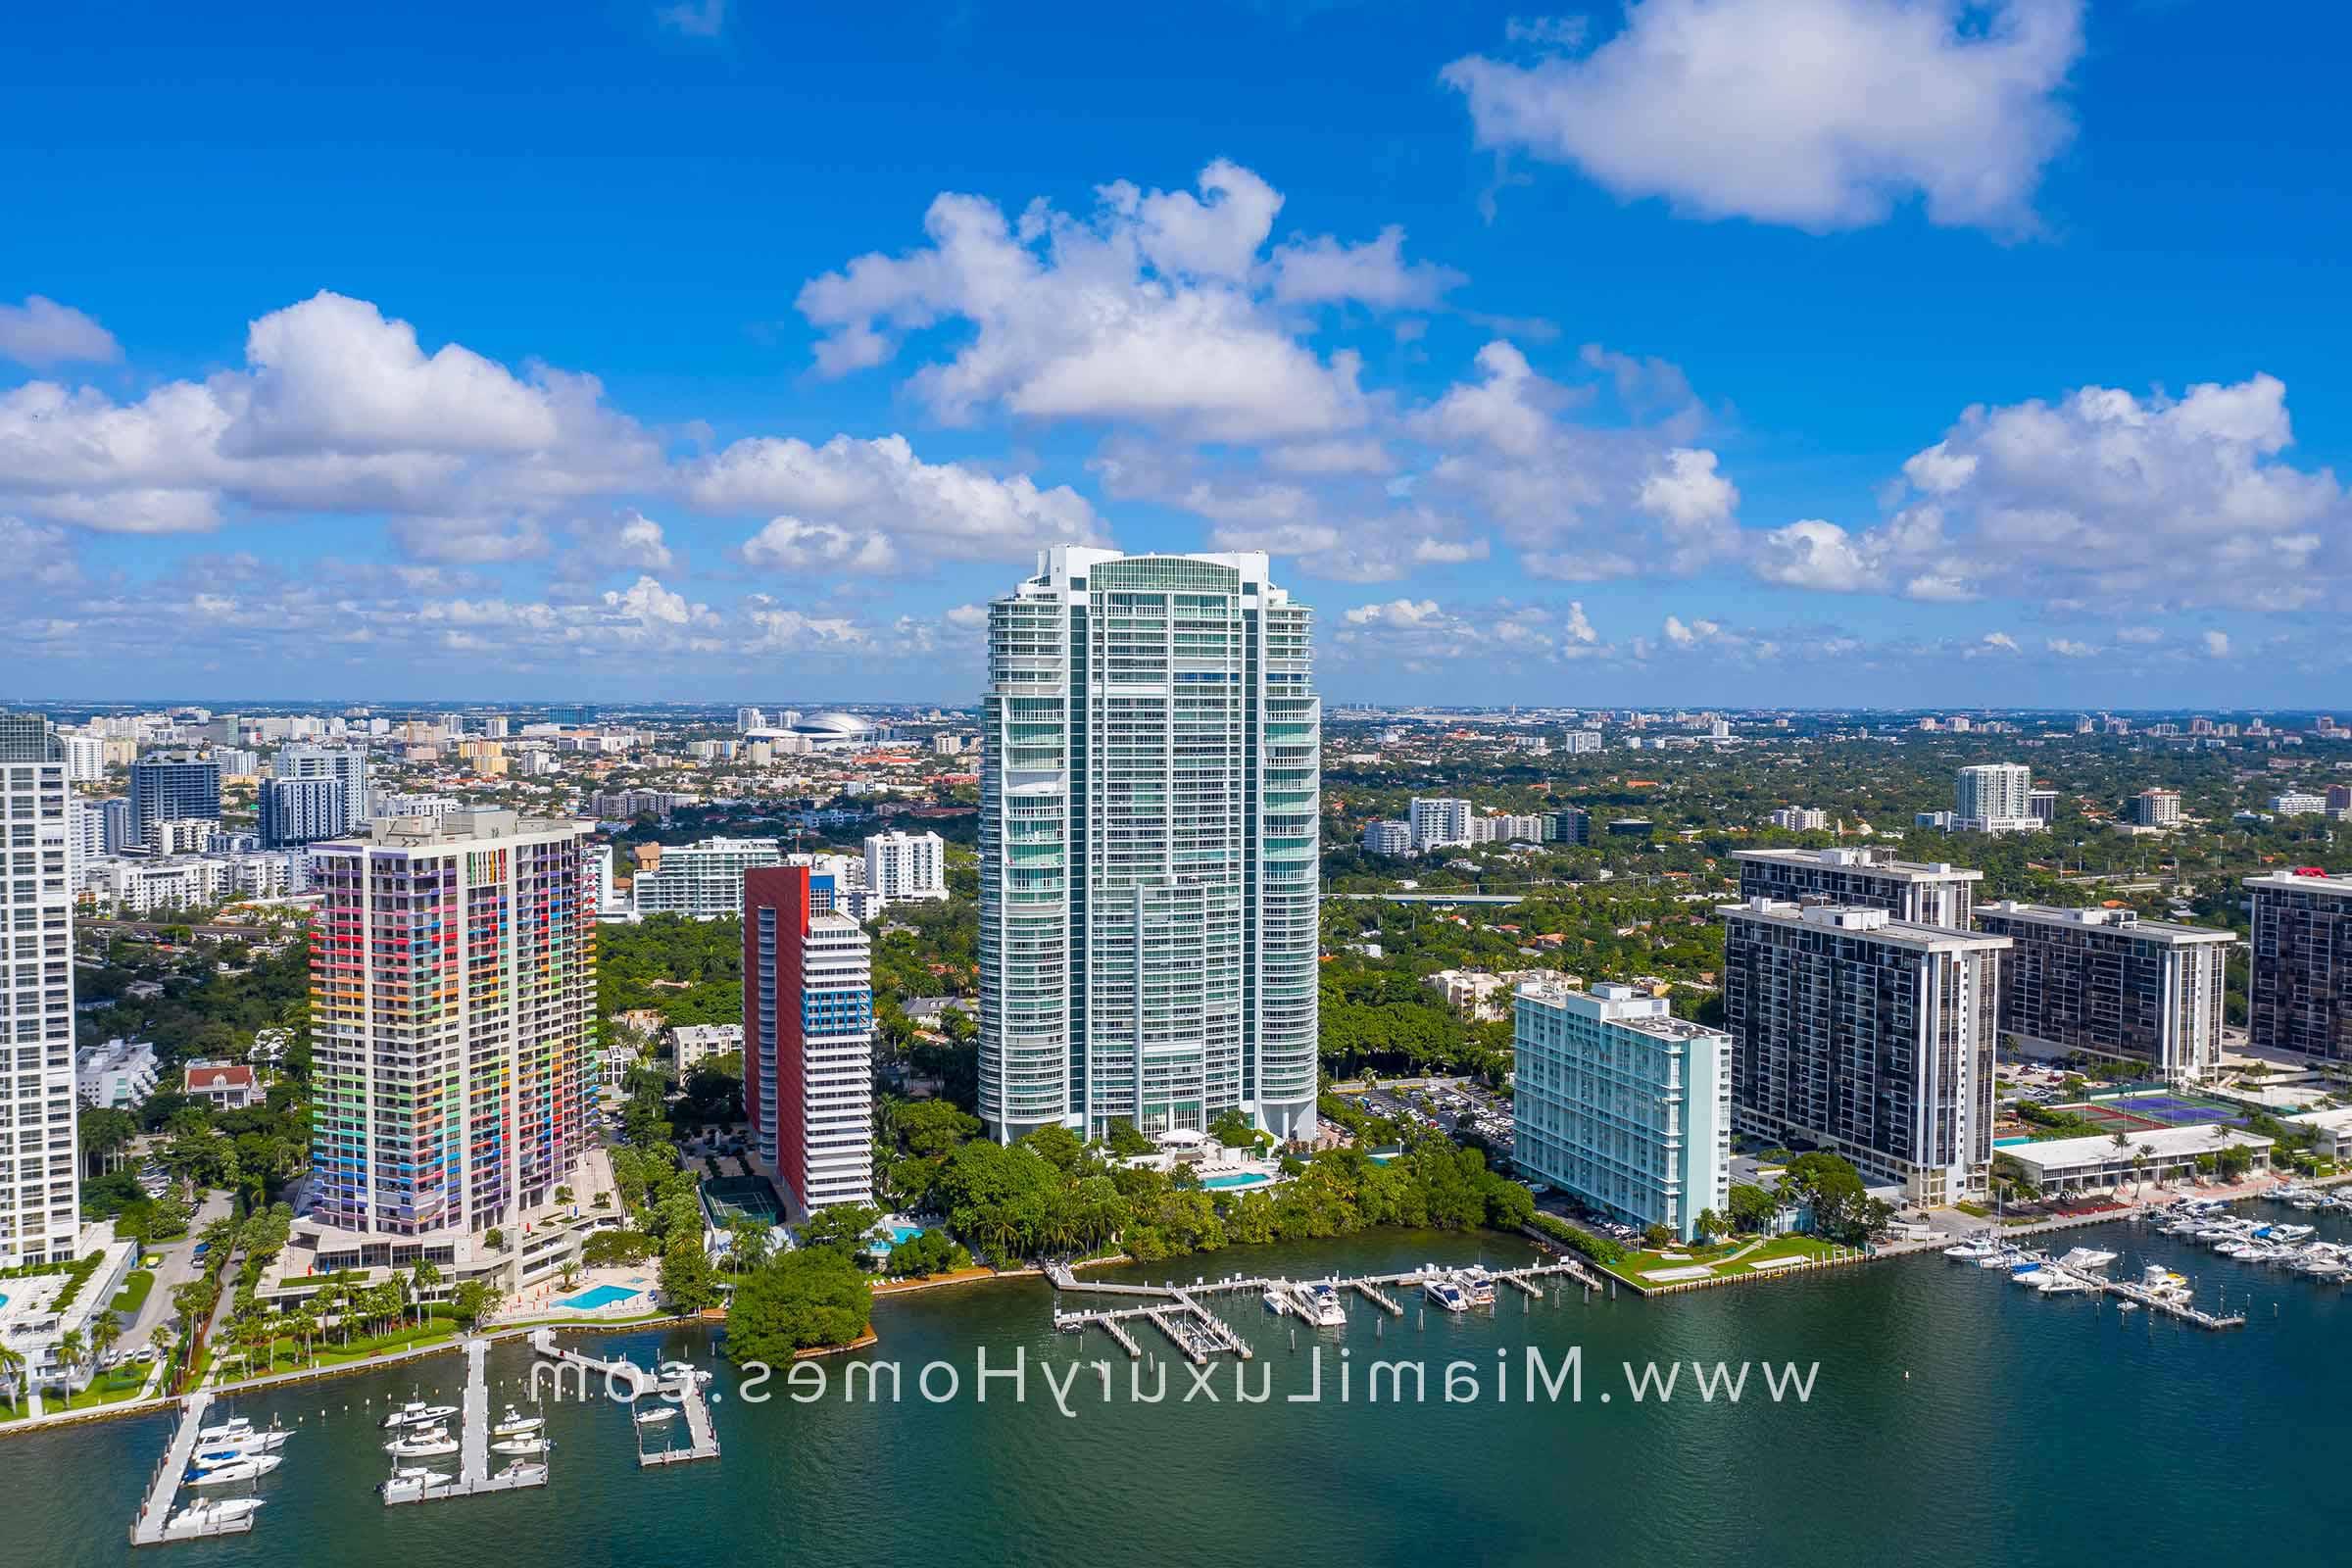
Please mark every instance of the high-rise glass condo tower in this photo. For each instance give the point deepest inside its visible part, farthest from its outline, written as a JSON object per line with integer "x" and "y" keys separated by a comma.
{"x": 40, "y": 1203}
{"x": 1147, "y": 847}
{"x": 453, "y": 1005}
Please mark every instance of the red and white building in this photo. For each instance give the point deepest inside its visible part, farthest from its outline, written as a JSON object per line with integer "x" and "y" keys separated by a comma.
{"x": 807, "y": 1037}
{"x": 223, "y": 1085}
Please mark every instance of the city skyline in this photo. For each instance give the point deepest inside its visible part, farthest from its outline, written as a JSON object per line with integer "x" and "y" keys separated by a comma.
{"x": 1883, "y": 415}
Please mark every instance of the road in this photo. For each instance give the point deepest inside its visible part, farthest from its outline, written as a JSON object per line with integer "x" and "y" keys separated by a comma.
{"x": 179, "y": 1266}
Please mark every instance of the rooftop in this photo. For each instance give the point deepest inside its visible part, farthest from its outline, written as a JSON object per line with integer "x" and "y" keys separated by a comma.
{"x": 458, "y": 827}
{"x": 1873, "y": 925}
{"x": 2303, "y": 879}
{"x": 1876, "y": 862}
{"x": 2123, "y": 922}
{"x": 2163, "y": 1143}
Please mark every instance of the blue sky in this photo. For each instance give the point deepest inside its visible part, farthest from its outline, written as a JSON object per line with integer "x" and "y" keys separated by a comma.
{"x": 1734, "y": 351}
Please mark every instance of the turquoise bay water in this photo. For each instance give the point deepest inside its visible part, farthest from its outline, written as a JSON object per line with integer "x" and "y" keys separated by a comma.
{"x": 1955, "y": 1418}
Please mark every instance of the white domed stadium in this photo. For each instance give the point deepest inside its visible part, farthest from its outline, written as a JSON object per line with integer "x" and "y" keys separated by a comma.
{"x": 835, "y": 730}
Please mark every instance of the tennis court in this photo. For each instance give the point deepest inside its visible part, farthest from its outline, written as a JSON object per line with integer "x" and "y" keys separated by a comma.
{"x": 2108, "y": 1118}
{"x": 2177, "y": 1110}
{"x": 727, "y": 1199}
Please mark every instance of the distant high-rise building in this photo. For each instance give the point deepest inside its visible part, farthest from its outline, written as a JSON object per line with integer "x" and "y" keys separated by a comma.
{"x": 301, "y": 810}
{"x": 701, "y": 881}
{"x": 453, "y": 1017}
{"x": 2107, "y": 982}
{"x": 85, "y": 758}
{"x": 1994, "y": 798}
{"x": 905, "y": 868}
{"x": 347, "y": 764}
{"x": 118, "y": 829}
{"x": 1576, "y": 742}
{"x": 1622, "y": 1104}
{"x": 1572, "y": 824}
{"x": 2300, "y": 995}
{"x": 1388, "y": 838}
{"x": 40, "y": 1165}
{"x": 747, "y": 719}
{"x": 1148, "y": 828}
{"x": 2043, "y": 805}
{"x": 1801, "y": 818}
{"x": 807, "y": 1037}
{"x": 1868, "y": 1037}
{"x": 173, "y": 786}
{"x": 1439, "y": 824}
{"x": 1914, "y": 892}
{"x": 2154, "y": 807}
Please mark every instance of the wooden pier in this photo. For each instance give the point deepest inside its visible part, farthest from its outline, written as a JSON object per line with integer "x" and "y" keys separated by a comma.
{"x": 2168, "y": 1305}
{"x": 153, "y": 1526}
{"x": 1373, "y": 1294}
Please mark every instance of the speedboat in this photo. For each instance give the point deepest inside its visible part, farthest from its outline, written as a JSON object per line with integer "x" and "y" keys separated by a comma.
{"x": 213, "y": 1512}
{"x": 410, "y": 1482}
{"x": 522, "y": 1473}
{"x": 656, "y": 1416}
{"x": 1276, "y": 1302}
{"x": 1447, "y": 1295}
{"x": 1328, "y": 1310}
{"x": 241, "y": 1446}
{"x": 1969, "y": 1251}
{"x": 521, "y": 1444}
{"x": 2126, "y": 1306}
{"x": 241, "y": 1469}
{"x": 429, "y": 1444}
{"x": 2086, "y": 1258}
{"x": 514, "y": 1424}
{"x": 237, "y": 1425}
{"x": 418, "y": 1414}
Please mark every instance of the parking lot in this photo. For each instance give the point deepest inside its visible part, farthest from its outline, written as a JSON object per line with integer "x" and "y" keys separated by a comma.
{"x": 1457, "y": 1108}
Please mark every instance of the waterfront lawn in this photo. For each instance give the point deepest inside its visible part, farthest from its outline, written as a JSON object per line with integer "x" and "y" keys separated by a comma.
{"x": 285, "y": 1354}
{"x": 1723, "y": 1259}
{"x": 107, "y": 1387}
{"x": 133, "y": 1294}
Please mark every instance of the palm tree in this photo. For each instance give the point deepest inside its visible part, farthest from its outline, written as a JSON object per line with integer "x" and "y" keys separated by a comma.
{"x": 104, "y": 1331}
{"x": 425, "y": 1276}
{"x": 12, "y": 1370}
{"x": 70, "y": 1353}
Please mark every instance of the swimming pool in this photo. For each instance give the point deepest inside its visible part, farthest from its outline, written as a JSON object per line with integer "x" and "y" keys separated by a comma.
{"x": 1236, "y": 1180}
{"x": 895, "y": 1236}
{"x": 602, "y": 1295}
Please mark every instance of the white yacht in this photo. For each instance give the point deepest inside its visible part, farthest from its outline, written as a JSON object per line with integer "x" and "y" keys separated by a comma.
{"x": 1477, "y": 1284}
{"x": 522, "y": 1473}
{"x": 237, "y": 1425}
{"x": 1321, "y": 1305}
{"x": 418, "y": 1414}
{"x": 657, "y": 1415}
{"x": 410, "y": 1482}
{"x": 1276, "y": 1301}
{"x": 241, "y": 1445}
{"x": 429, "y": 1444}
{"x": 213, "y": 1511}
{"x": 1446, "y": 1294}
{"x": 1972, "y": 1250}
{"x": 241, "y": 1469}
{"x": 516, "y": 1424}
{"x": 529, "y": 1443}
{"x": 2086, "y": 1258}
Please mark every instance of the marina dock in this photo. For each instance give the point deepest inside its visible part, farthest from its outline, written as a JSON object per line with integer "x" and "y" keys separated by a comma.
{"x": 633, "y": 1383}
{"x": 154, "y": 1527}
{"x": 1177, "y": 1311}
{"x": 474, "y": 1474}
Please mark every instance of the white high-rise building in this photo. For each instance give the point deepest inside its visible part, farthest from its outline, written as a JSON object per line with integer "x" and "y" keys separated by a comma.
{"x": 1147, "y": 847}
{"x": 349, "y": 763}
{"x": 85, "y": 758}
{"x": 1801, "y": 818}
{"x": 1995, "y": 798}
{"x": 1623, "y": 1104}
{"x": 701, "y": 881}
{"x": 905, "y": 869}
{"x": 40, "y": 1194}
{"x": 747, "y": 719}
{"x": 1439, "y": 824}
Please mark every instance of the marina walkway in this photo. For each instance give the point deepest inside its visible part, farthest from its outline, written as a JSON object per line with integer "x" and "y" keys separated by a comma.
{"x": 474, "y": 1474}
{"x": 155, "y": 1526}
{"x": 633, "y": 1383}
